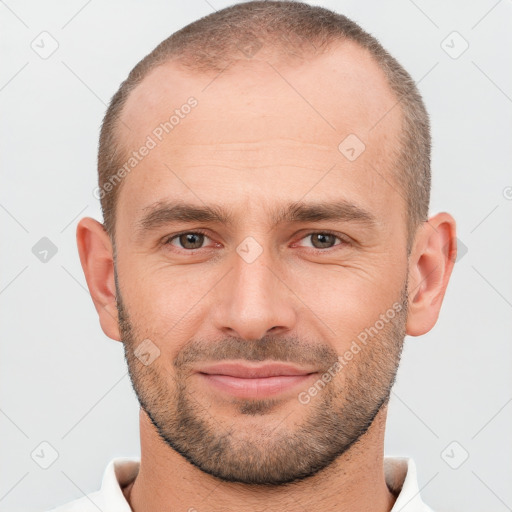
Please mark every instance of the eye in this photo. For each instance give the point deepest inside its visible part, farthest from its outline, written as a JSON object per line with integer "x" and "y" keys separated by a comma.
{"x": 324, "y": 240}
{"x": 193, "y": 240}
{"x": 188, "y": 240}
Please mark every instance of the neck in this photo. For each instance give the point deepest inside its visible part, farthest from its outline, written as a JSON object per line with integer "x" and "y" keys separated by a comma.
{"x": 355, "y": 481}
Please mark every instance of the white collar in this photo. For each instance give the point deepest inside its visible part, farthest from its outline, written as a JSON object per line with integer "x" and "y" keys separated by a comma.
{"x": 400, "y": 474}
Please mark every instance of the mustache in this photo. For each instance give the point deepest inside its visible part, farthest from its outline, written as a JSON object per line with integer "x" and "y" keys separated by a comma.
{"x": 273, "y": 348}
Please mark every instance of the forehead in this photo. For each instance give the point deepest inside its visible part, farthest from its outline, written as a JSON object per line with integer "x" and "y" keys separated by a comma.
{"x": 342, "y": 89}
{"x": 259, "y": 125}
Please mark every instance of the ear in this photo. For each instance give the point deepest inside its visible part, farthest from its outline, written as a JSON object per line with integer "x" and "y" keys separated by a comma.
{"x": 96, "y": 257}
{"x": 430, "y": 266}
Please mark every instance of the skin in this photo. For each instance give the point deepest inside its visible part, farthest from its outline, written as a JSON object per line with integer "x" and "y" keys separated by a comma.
{"x": 250, "y": 145}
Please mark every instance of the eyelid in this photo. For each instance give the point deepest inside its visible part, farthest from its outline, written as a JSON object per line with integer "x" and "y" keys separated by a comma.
{"x": 168, "y": 239}
{"x": 344, "y": 239}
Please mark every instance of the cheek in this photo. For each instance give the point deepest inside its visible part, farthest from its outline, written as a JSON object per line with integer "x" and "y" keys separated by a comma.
{"x": 350, "y": 300}
{"x": 166, "y": 303}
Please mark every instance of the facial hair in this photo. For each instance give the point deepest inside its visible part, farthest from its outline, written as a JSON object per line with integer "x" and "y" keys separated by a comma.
{"x": 334, "y": 419}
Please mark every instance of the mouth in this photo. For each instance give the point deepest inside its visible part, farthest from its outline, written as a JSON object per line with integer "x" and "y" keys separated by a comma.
{"x": 255, "y": 381}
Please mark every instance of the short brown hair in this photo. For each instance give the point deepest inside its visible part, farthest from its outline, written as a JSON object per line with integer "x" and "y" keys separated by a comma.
{"x": 293, "y": 28}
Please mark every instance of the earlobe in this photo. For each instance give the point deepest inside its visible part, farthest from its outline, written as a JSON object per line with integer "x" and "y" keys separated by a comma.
{"x": 96, "y": 257}
{"x": 430, "y": 266}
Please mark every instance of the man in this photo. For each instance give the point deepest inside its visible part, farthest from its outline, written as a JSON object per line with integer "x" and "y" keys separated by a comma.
{"x": 264, "y": 176}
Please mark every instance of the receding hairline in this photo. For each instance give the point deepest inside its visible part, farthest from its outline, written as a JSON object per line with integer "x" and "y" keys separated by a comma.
{"x": 179, "y": 64}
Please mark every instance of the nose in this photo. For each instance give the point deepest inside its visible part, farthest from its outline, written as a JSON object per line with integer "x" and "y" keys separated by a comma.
{"x": 254, "y": 299}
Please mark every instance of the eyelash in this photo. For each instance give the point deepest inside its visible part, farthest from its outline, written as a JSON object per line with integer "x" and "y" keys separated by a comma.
{"x": 343, "y": 241}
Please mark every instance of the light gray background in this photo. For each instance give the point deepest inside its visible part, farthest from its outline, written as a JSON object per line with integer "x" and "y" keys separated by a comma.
{"x": 64, "y": 382}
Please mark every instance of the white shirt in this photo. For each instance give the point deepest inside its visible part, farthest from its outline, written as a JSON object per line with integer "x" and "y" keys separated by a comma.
{"x": 400, "y": 475}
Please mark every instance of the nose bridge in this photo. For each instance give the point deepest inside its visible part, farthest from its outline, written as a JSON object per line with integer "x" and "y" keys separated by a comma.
{"x": 253, "y": 299}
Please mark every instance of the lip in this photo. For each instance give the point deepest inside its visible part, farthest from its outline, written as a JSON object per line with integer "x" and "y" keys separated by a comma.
{"x": 245, "y": 371}
{"x": 255, "y": 381}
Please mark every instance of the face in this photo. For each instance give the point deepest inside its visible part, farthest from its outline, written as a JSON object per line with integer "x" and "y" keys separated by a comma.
{"x": 246, "y": 238}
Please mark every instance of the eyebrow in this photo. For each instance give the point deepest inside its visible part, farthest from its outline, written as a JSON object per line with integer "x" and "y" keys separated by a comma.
{"x": 163, "y": 213}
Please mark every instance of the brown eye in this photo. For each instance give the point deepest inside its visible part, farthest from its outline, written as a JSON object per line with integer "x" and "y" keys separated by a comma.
{"x": 189, "y": 240}
{"x": 323, "y": 240}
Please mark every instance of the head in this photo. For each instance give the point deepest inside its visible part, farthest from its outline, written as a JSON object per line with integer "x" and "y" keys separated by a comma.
{"x": 264, "y": 176}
